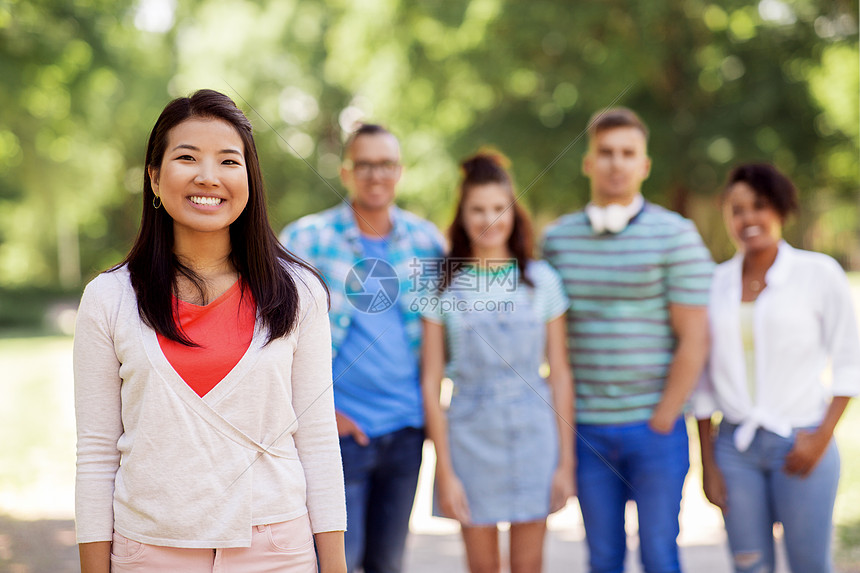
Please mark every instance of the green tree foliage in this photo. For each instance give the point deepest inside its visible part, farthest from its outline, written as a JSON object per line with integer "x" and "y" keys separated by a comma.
{"x": 79, "y": 86}
{"x": 718, "y": 83}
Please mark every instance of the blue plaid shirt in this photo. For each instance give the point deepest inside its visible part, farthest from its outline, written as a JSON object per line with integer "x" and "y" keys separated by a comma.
{"x": 330, "y": 240}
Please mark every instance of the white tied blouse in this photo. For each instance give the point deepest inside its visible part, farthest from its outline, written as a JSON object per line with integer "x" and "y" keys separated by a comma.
{"x": 802, "y": 320}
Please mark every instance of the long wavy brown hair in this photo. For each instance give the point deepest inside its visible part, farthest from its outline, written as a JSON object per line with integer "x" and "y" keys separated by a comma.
{"x": 488, "y": 166}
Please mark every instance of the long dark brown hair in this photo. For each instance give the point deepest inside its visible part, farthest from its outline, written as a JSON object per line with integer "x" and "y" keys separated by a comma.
{"x": 261, "y": 261}
{"x": 480, "y": 169}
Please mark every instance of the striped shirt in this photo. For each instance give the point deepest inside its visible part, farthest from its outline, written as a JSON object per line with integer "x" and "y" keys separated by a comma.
{"x": 620, "y": 286}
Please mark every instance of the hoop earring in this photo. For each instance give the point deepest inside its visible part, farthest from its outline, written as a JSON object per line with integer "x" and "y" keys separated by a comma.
{"x": 156, "y": 201}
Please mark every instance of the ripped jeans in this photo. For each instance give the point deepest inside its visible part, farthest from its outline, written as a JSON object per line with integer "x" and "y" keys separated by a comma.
{"x": 760, "y": 493}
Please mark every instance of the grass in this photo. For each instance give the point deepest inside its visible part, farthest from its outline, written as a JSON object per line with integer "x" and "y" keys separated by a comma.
{"x": 847, "y": 512}
{"x": 37, "y": 428}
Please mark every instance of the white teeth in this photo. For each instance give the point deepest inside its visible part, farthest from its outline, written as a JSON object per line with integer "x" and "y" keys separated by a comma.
{"x": 752, "y": 231}
{"x": 205, "y": 200}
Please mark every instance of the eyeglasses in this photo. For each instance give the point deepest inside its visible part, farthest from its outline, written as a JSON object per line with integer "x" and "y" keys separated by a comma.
{"x": 365, "y": 169}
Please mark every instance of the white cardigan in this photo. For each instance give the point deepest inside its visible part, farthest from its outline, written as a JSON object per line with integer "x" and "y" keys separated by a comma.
{"x": 163, "y": 466}
{"x": 804, "y": 317}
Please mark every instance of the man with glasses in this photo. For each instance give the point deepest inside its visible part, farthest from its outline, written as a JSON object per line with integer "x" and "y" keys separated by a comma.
{"x": 368, "y": 249}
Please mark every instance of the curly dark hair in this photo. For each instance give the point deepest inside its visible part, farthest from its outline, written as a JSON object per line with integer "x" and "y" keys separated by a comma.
{"x": 769, "y": 184}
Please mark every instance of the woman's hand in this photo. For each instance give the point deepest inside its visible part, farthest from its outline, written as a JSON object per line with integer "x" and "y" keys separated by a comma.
{"x": 563, "y": 488}
{"x": 452, "y": 498}
{"x": 95, "y": 557}
{"x": 713, "y": 483}
{"x": 714, "y": 486}
{"x": 560, "y": 379}
{"x": 808, "y": 449}
{"x": 330, "y": 552}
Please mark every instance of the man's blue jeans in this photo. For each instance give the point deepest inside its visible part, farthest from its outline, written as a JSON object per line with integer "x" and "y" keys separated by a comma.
{"x": 380, "y": 487}
{"x": 616, "y": 463}
{"x": 760, "y": 493}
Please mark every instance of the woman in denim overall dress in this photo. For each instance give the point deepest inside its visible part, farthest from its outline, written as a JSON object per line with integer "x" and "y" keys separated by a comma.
{"x": 504, "y": 448}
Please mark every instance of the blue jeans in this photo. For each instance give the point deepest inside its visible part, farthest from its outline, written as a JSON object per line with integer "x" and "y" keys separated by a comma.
{"x": 616, "y": 463}
{"x": 760, "y": 493}
{"x": 380, "y": 487}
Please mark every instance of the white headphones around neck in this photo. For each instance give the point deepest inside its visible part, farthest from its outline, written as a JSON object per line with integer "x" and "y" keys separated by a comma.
{"x": 613, "y": 218}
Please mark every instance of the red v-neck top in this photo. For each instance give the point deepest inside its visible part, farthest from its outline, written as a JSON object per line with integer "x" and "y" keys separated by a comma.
{"x": 223, "y": 329}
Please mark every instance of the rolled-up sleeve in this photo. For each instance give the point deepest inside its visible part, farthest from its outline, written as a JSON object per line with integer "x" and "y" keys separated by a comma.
{"x": 839, "y": 326}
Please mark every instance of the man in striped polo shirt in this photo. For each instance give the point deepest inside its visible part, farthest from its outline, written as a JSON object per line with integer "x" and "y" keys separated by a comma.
{"x": 638, "y": 278}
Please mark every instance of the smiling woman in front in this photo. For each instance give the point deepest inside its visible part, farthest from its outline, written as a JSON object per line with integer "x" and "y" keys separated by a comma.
{"x": 206, "y": 429}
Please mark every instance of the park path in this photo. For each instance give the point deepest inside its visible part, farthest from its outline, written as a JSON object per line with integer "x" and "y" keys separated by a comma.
{"x": 47, "y": 545}
{"x": 435, "y": 544}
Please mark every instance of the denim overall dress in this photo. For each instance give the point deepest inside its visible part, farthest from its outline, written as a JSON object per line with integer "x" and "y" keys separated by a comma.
{"x": 501, "y": 426}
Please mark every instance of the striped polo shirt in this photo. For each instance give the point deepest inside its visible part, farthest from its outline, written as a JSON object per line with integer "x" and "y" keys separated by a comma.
{"x": 620, "y": 286}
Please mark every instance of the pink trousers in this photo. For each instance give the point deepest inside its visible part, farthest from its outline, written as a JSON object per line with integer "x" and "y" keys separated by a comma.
{"x": 286, "y": 547}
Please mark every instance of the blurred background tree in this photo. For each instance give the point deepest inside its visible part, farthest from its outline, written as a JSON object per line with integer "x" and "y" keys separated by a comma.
{"x": 718, "y": 83}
